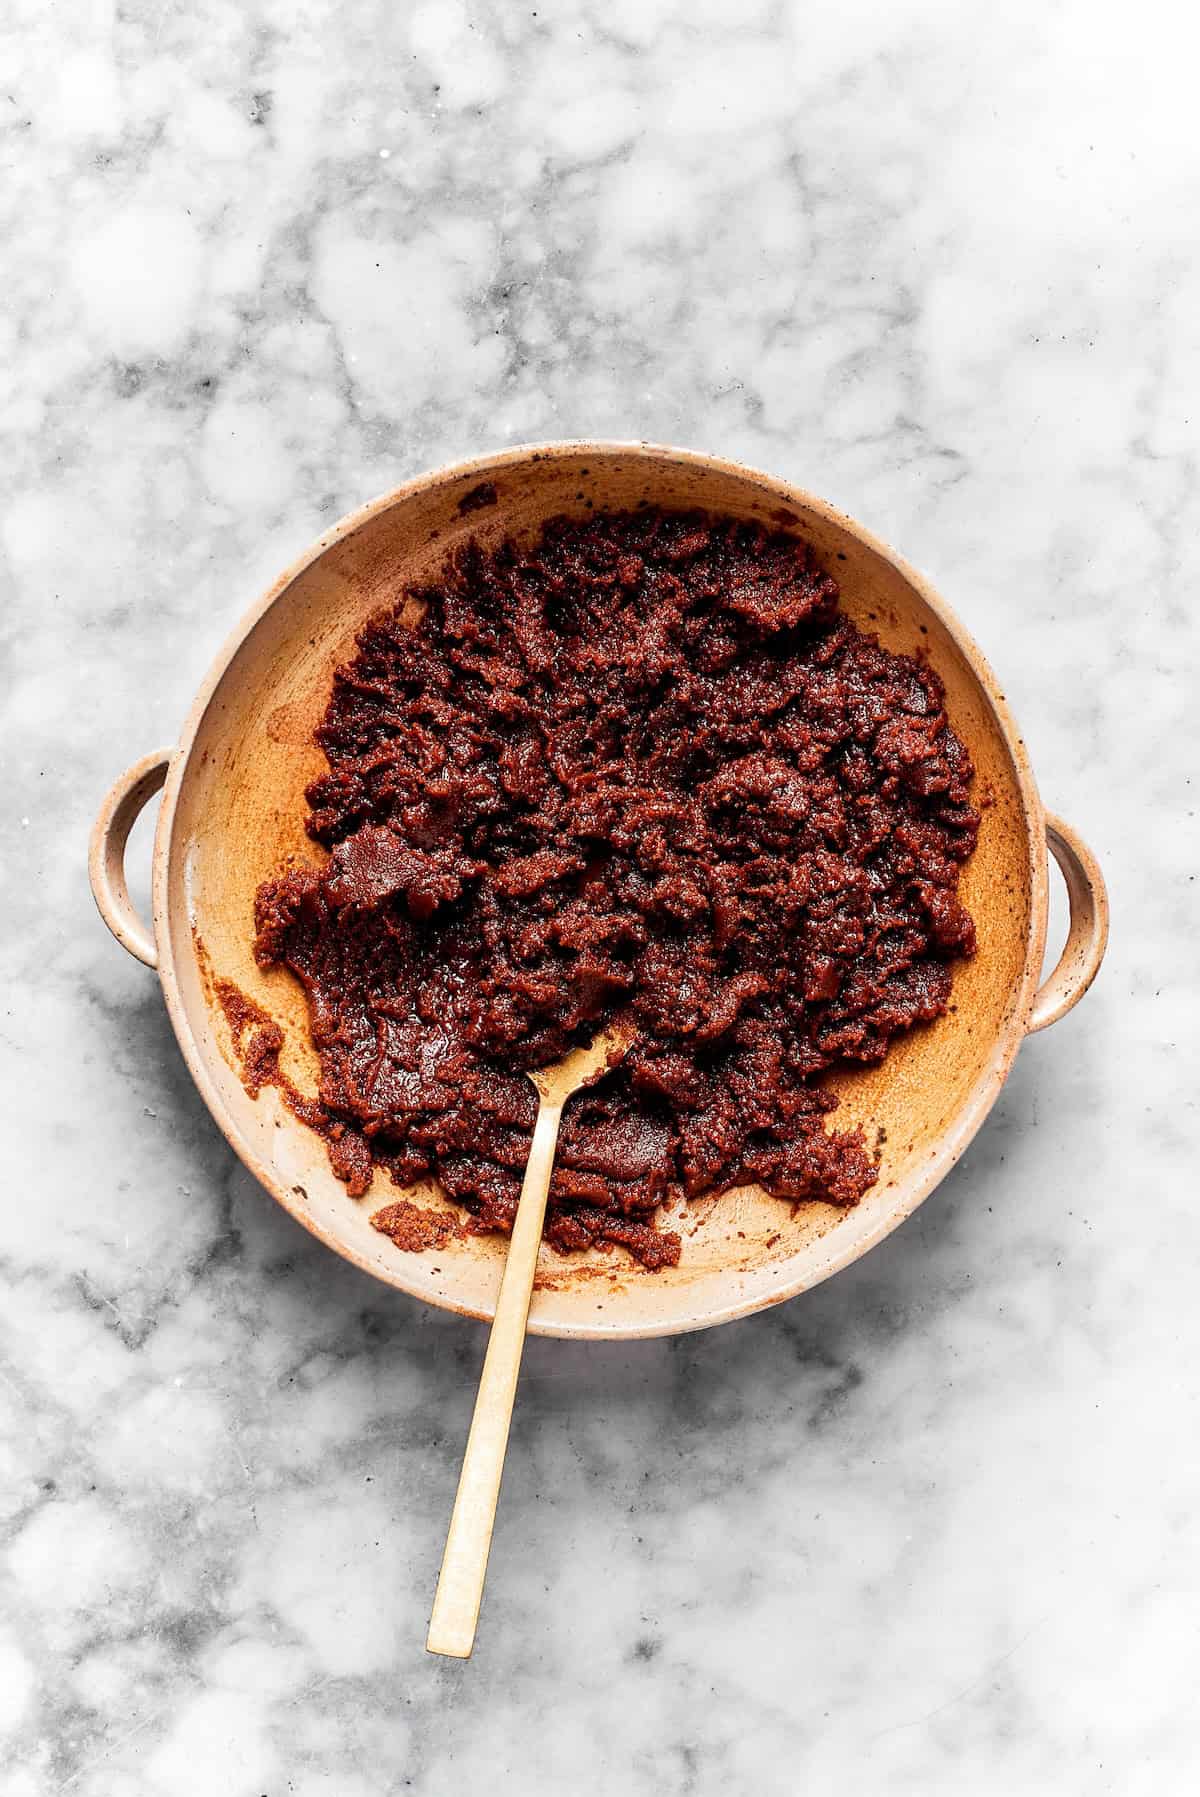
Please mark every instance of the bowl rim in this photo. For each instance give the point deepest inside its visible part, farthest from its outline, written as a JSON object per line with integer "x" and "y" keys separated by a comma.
{"x": 951, "y": 1144}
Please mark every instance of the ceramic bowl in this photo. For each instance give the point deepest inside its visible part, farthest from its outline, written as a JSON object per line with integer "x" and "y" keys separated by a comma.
{"x": 232, "y": 812}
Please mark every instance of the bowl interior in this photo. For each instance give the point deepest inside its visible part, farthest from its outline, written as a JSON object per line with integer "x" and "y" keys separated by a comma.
{"x": 238, "y": 817}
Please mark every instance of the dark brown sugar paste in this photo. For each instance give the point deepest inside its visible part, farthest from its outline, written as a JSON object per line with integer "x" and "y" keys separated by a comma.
{"x": 644, "y": 766}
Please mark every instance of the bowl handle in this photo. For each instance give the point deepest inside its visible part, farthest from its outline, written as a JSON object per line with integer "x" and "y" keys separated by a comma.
{"x": 106, "y": 852}
{"x": 1087, "y": 936}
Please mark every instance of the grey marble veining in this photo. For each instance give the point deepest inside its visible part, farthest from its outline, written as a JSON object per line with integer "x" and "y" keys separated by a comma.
{"x": 930, "y": 1529}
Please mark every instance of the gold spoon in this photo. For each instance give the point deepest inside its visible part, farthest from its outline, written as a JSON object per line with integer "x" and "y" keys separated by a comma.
{"x": 464, "y": 1563}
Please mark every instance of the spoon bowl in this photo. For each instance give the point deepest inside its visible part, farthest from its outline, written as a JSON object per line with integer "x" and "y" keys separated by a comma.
{"x": 232, "y": 813}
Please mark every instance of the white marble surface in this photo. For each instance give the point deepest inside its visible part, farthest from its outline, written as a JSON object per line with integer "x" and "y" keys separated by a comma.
{"x": 931, "y": 1529}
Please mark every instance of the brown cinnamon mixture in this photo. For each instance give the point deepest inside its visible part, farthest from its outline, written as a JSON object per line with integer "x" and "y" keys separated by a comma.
{"x": 414, "y": 1228}
{"x": 257, "y": 1038}
{"x": 646, "y": 765}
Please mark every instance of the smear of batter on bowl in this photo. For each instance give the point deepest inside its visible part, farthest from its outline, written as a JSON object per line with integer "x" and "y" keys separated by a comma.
{"x": 413, "y": 1228}
{"x": 644, "y": 764}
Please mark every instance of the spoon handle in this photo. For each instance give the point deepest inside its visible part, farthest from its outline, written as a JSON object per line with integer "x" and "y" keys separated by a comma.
{"x": 464, "y": 1563}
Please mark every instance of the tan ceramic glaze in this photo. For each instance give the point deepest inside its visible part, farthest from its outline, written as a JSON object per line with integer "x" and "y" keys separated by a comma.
{"x": 232, "y": 813}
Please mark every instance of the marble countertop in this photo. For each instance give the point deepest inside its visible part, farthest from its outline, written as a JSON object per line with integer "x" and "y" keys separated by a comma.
{"x": 932, "y": 1528}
